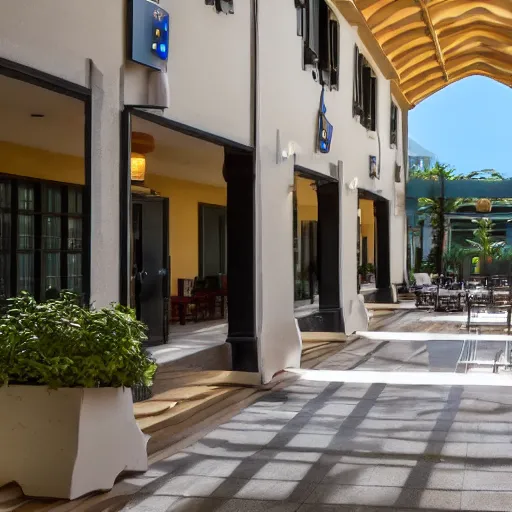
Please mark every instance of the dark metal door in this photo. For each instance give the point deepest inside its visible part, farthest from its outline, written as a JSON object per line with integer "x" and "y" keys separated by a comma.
{"x": 151, "y": 264}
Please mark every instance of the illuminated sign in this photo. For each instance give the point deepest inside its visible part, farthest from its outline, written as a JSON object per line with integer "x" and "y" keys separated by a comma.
{"x": 148, "y": 34}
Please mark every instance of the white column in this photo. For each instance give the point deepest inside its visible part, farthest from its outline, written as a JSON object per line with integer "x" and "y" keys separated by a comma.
{"x": 104, "y": 186}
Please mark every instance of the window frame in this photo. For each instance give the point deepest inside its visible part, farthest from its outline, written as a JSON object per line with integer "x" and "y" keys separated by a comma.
{"x": 40, "y": 212}
{"x": 365, "y": 92}
{"x": 393, "y": 124}
{"x": 319, "y": 29}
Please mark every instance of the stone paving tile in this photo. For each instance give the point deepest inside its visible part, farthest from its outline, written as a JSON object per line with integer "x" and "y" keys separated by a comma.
{"x": 410, "y": 474}
{"x": 352, "y": 508}
{"x": 215, "y": 450}
{"x": 222, "y": 468}
{"x": 489, "y": 466}
{"x": 190, "y": 486}
{"x": 487, "y": 481}
{"x": 288, "y": 455}
{"x": 310, "y": 441}
{"x": 441, "y": 476}
{"x": 490, "y": 450}
{"x": 481, "y": 501}
{"x": 146, "y": 503}
{"x": 271, "y": 490}
{"x": 219, "y": 505}
{"x": 367, "y": 475}
{"x": 433, "y": 499}
{"x": 234, "y": 437}
{"x": 283, "y": 470}
{"x": 355, "y": 495}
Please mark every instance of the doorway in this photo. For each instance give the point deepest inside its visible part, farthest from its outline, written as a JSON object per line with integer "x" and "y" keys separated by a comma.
{"x": 151, "y": 268}
{"x": 212, "y": 240}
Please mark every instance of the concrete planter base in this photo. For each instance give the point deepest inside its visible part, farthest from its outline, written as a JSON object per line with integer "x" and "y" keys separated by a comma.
{"x": 68, "y": 442}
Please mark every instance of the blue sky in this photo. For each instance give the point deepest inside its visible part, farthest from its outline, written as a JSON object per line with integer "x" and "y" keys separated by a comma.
{"x": 467, "y": 125}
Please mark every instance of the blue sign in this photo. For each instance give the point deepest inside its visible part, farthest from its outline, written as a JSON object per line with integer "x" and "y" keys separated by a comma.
{"x": 148, "y": 34}
{"x": 325, "y": 129}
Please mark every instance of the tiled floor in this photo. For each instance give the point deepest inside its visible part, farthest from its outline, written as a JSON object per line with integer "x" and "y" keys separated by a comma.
{"x": 332, "y": 446}
{"x": 319, "y": 446}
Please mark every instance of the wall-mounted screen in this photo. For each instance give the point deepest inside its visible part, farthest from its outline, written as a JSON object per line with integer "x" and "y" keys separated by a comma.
{"x": 148, "y": 34}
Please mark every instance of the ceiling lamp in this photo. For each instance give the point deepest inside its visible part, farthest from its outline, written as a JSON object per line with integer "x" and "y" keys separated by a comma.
{"x": 142, "y": 144}
{"x": 483, "y": 206}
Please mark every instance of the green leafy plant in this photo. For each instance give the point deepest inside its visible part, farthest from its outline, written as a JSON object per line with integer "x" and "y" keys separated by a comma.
{"x": 483, "y": 243}
{"x": 59, "y": 343}
{"x": 453, "y": 259}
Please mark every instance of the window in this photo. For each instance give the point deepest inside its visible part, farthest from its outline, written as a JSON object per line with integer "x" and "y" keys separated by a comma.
{"x": 319, "y": 29}
{"x": 40, "y": 237}
{"x": 393, "y": 138}
{"x": 5, "y": 239}
{"x": 365, "y": 92}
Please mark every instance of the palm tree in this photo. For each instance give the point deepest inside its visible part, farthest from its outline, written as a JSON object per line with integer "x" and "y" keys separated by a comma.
{"x": 483, "y": 243}
{"x": 437, "y": 207}
{"x": 453, "y": 259}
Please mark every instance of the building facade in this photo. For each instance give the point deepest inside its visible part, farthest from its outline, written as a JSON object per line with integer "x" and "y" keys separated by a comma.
{"x": 419, "y": 157}
{"x": 225, "y": 127}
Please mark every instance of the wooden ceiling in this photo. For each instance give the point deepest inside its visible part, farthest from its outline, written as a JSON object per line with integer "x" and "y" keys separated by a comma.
{"x": 433, "y": 43}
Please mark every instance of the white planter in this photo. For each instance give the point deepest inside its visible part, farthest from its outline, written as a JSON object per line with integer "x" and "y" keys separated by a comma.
{"x": 68, "y": 442}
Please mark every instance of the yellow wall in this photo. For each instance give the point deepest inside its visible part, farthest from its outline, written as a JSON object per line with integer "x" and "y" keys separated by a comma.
{"x": 368, "y": 227}
{"x": 36, "y": 163}
{"x": 307, "y": 201}
{"x": 184, "y": 198}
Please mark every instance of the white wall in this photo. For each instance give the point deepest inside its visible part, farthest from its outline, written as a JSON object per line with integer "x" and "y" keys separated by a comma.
{"x": 289, "y": 101}
{"x": 209, "y": 69}
{"x": 58, "y": 37}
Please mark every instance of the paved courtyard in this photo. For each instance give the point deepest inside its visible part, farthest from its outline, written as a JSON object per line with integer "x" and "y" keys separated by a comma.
{"x": 326, "y": 444}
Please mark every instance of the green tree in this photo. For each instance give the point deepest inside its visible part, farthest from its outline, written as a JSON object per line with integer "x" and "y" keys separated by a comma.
{"x": 483, "y": 244}
{"x": 435, "y": 208}
{"x": 453, "y": 259}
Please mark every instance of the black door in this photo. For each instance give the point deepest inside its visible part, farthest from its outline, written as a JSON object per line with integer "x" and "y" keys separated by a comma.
{"x": 150, "y": 254}
{"x": 212, "y": 240}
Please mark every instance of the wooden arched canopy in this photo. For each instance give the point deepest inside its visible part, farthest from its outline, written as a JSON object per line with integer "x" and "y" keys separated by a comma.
{"x": 433, "y": 43}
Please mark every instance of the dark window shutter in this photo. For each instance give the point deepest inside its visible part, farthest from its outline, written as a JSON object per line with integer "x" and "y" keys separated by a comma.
{"x": 367, "y": 96}
{"x": 373, "y": 103}
{"x": 312, "y": 41}
{"x": 334, "y": 40}
{"x": 323, "y": 36}
{"x": 356, "y": 83}
{"x": 394, "y": 123}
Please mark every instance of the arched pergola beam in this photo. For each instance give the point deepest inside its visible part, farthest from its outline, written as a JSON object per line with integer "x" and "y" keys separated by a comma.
{"x": 393, "y": 14}
{"x": 430, "y": 25}
{"x": 429, "y": 88}
{"x": 461, "y": 8}
{"x": 414, "y": 71}
{"x": 456, "y": 67}
{"x": 460, "y": 37}
{"x": 426, "y": 77}
{"x": 387, "y": 35}
{"x": 414, "y": 58}
{"x": 369, "y": 7}
{"x": 407, "y": 42}
{"x": 485, "y": 20}
{"x": 433, "y": 43}
{"x": 462, "y": 63}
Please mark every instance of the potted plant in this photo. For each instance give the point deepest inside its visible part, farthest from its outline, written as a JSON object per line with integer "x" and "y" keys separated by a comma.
{"x": 362, "y": 273}
{"x": 67, "y": 425}
{"x": 370, "y": 272}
